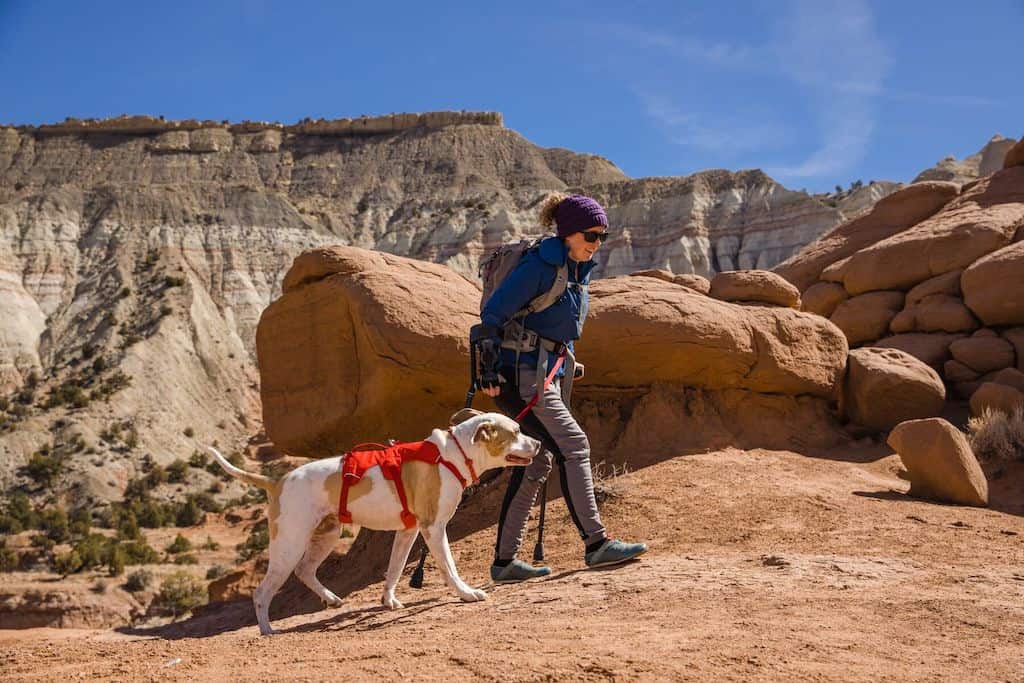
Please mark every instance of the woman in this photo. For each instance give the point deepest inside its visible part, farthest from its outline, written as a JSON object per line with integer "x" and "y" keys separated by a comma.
{"x": 511, "y": 378}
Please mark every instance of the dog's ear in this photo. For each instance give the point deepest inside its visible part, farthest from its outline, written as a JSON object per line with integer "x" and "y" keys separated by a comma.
{"x": 463, "y": 415}
{"x": 486, "y": 431}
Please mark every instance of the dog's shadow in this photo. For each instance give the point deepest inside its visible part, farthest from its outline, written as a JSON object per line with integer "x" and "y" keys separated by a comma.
{"x": 364, "y": 619}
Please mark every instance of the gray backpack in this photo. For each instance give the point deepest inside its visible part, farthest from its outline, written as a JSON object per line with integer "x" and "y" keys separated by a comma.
{"x": 503, "y": 260}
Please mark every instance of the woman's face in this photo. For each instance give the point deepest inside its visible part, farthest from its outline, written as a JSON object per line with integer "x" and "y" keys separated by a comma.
{"x": 580, "y": 249}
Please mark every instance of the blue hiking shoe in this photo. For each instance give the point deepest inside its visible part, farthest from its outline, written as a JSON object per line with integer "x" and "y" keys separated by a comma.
{"x": 614, "y": 552}
{"x": 517, "y": 571}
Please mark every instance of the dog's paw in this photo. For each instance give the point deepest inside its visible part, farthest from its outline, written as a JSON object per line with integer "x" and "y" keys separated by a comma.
{"x": 332, "y": 600}
{"x": 473, "y": 595}
{"x": 391, "y": 602}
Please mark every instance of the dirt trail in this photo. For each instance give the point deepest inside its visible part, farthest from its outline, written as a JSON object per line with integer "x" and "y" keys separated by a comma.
{"x": 764, "y": 565}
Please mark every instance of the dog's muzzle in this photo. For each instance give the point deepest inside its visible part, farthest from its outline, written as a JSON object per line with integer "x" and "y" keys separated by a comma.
{"x": 523, "y": 460}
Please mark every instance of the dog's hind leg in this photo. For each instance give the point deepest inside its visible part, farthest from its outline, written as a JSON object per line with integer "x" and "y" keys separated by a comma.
{"x": 436, "y": 537}
{"x": 285, "y": 553}
{"x": 399, "y": 556}
{"x": 320, "y": 546}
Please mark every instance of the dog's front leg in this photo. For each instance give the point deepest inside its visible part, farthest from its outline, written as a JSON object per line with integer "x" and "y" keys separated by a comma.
{"x": 436, "y": 536}
{"x": 399, "y": 556}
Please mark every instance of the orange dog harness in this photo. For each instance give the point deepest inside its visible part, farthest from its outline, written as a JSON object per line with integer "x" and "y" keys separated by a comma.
{"x": 389, "y": 459}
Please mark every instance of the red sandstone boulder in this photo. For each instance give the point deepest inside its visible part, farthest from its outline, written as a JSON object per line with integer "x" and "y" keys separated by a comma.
{"x": 983, "y": 354}
{"x": 994, "y": 285}
{"x": 980, "y": 221}
{"x": 866, "y": 317}
{"x": 936, "y": 313}
{"x": 647, "y": 331}
{"x": 993, "y": 396}
{"x": 1011, "y": 377}
{"x": 885, "y": 387}
{"x": 955, "y": 371}
{"x": 1015, "y": 157}
{"x": 931, "y": 349}
{"x": 947, "y": 283}
{"x": 891, "y": 215}
{"x": 762, "y": 286}
{"x": 698, "y": 283}
{"x": 939, "y": 461}
{"x": 1016, "y": 337}
{"x": 822, "y": 298}
{"x": 355, "y": 334}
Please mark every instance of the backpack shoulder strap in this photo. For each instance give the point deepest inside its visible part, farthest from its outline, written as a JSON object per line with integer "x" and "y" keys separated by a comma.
{"x": 548, "y": 298}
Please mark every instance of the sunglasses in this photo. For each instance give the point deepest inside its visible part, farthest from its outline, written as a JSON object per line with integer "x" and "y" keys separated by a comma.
{"x": 595, "y": 236}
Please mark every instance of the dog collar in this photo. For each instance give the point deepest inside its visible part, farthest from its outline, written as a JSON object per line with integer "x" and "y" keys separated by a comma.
{"x": 469, "y": 463}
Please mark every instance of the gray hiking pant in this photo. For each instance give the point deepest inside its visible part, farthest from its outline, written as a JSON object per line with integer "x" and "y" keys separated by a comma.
{"x": 551, "y": 422}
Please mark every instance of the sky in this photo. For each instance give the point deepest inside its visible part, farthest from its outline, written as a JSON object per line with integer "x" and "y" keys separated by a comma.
{"x": 817, "y": 94}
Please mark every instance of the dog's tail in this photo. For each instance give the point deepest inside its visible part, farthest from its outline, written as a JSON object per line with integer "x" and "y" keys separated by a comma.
{"x": 257, "y": 480}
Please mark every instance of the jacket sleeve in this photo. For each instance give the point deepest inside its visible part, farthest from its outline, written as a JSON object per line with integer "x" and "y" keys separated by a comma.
{"x": 521, "y": 286}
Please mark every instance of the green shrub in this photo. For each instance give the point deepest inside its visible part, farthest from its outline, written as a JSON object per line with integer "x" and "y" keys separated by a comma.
{"x": 139, "y": 552}
{"x": 257, "y": 542}
{"x": 189, "y": 432}
{"x": 199, "y": 460}
{"x": 92, "y": 550}
{"x": 179, "y": 545}
{"x": 128, "y": 527}
{"x": 190, "y": 514}
{"x": 80, "y": 522}
{"x": 187, "y": 558}
{"x": 19, "y": 508}
{"x": 215, "y": 572}
{"x": 180, "y": 593}
{"x": 210, "y": 544}
{"x": 125, "y": 293}
{"x": 4, "y": 403}
{"x": 115, "y": 560}
{"x": 206, "y": 502}
{"x": 67, "y": 563}
{"x": 176, "y": 471}
{"x": 171, "y": 281}
{"x": 99, "y": 364}
{"x": 54, "y": 523}
{"x": 8, "y": 558}
{"x": 138, "y": 581}
{"x": 43, "y": 468}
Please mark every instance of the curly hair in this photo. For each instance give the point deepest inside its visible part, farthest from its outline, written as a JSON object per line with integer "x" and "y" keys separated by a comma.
{"x": 547, "y": 208}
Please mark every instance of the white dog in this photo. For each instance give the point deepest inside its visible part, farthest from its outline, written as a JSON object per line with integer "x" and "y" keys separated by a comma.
{"x": 304, "y": 506}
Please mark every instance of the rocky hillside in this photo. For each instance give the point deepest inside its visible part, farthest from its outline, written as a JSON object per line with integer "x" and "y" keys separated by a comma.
{"x": 137, "y": 255}
{"x": 985, "y": 161}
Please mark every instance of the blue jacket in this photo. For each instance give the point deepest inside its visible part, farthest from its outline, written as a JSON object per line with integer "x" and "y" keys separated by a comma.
{"x": 533, "y": 276}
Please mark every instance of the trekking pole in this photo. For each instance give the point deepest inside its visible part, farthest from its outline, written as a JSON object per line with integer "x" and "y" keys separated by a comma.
{"x": 416, "y": 580}
{"x": 538, "y": 550}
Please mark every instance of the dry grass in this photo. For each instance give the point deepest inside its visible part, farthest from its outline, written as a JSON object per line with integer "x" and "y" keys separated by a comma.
{"x": 608, "y": 481}
{"x": 994, "y": 435}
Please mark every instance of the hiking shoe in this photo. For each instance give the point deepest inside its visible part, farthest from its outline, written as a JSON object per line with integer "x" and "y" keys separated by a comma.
{"x": 614, "y": 552}
{"x": 516, "y": 571}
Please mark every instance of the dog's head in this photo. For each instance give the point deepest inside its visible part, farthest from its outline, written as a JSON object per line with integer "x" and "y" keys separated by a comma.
{"x": 495, "y": 438}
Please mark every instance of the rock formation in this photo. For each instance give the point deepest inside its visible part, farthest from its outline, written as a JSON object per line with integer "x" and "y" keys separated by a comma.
{"x": 939, "y": 461}
{"x": 944, "y": 283}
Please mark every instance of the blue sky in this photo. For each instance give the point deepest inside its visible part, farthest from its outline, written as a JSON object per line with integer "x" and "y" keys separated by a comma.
{"x": 815, "y": 93}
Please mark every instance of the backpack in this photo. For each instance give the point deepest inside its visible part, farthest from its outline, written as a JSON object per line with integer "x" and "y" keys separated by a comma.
{"x": 503, "y": 260}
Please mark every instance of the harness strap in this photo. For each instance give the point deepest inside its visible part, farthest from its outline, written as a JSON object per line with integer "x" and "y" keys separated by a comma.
{"x": 469, "y": 463}
{"x": 390, "y": 460}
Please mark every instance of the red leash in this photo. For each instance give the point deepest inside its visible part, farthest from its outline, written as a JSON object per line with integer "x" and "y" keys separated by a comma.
{"x": 547, "y": 382}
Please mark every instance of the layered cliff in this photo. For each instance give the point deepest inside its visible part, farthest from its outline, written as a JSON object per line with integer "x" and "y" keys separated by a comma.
{"x": 137, "y": 254}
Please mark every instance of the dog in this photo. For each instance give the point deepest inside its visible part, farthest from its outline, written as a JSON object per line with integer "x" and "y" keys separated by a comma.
{"x": 303, "y": 506}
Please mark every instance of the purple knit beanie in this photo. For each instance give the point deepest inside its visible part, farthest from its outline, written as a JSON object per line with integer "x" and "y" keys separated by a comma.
{"x": 576, "y": 213}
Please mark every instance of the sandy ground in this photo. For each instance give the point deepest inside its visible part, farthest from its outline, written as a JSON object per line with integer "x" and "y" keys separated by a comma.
{"x": 763, "y": 565}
